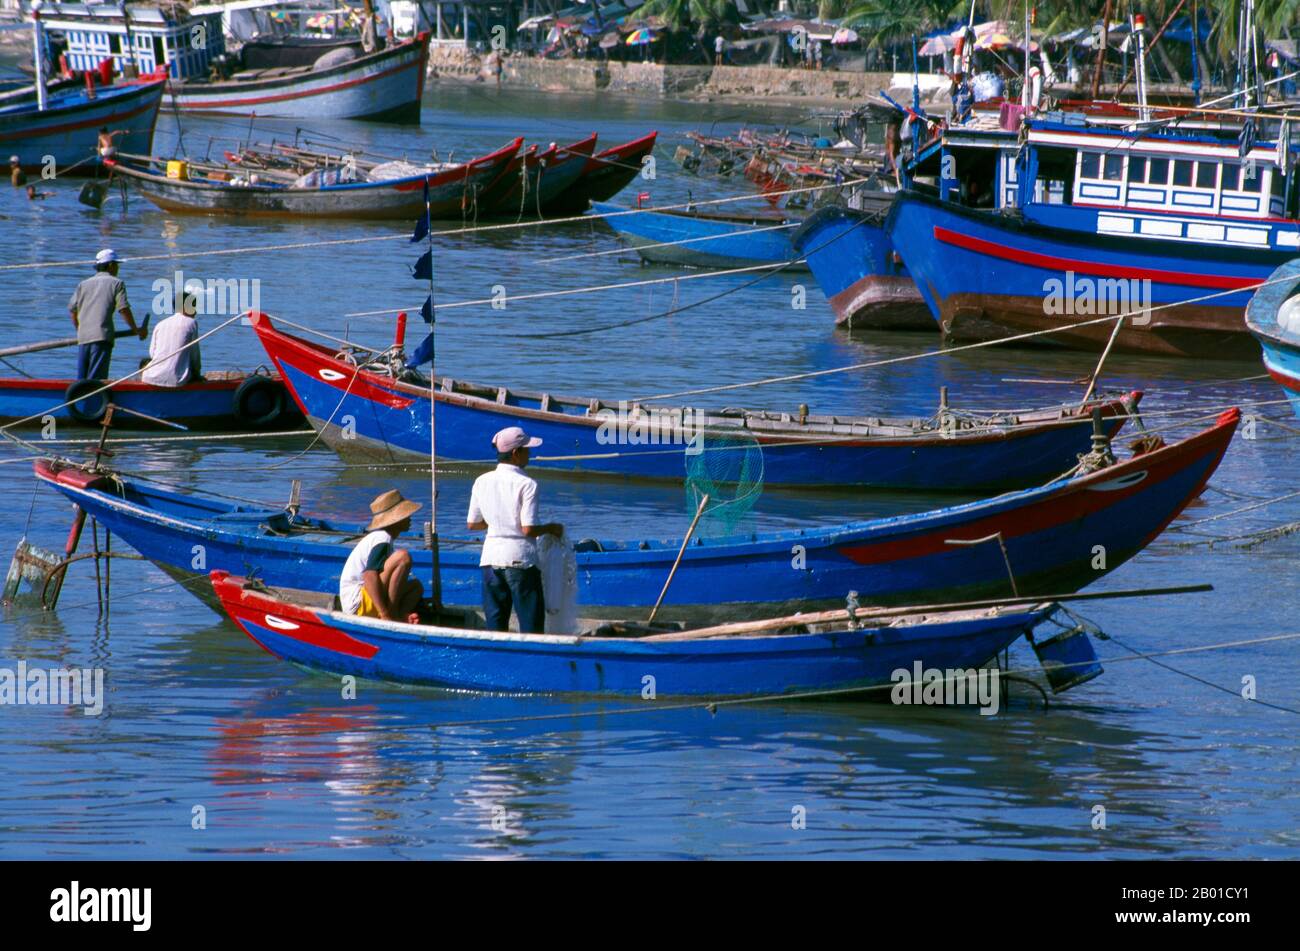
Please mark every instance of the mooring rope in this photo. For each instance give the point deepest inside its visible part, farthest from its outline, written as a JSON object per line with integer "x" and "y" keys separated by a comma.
{"x": 451, "y": 232}
{"x": 977, "y": 345}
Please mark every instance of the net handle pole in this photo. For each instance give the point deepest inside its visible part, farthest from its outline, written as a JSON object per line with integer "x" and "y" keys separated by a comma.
{"x": 680, "y": 552}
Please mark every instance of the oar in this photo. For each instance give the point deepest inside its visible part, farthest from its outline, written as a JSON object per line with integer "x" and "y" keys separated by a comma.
{"x": 681, "y": 551}
{"x": 872, "y": 614}
{"x": 65, "y": 342}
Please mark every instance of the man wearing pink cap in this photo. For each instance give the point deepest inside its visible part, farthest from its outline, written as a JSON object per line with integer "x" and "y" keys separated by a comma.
{"x": 504, "y": 501}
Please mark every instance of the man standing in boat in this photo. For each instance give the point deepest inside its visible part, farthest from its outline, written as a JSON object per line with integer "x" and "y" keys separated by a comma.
{"x": 504, "y": 501}
{"x": 91, "y": 306}
{"x": 376, "y": 578}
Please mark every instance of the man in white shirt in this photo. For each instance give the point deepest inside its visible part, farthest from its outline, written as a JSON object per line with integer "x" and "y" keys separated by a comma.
{"x": 719, "y": 44}
{"x": 504, "y": 501}
{"x": 376, "y": 578}
{"x": 174, "y": 349}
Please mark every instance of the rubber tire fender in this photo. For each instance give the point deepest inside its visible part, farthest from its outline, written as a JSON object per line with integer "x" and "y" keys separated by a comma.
{"x": 76, "y": 391}
{"x": 259, "y": 401}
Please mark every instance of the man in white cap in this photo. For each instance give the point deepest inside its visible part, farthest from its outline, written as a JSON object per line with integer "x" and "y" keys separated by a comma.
{"x": 91, "y": 306}
{"x": 17, "y": 177}
{"x": 504, "y": 501}
{"x": 376, "y": 578}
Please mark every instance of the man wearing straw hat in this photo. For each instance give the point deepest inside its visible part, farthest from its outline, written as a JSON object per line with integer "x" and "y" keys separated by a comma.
{"x": 376, "y": 578}
{"x": 504, "y": 501}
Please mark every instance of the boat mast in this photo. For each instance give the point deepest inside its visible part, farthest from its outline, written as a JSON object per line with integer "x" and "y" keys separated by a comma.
{"x": 436, "y": 590}
{"x": 39, "y": 52}
{"x": 1025, "y": 92}
{"x": 1138, "y": 25}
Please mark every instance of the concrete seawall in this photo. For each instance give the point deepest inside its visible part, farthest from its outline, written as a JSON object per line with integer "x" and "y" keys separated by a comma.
{"x": 652, "y": 80}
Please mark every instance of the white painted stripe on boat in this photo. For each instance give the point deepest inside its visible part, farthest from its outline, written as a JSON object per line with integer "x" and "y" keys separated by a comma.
{"x": 1115, "y": 485}
{"x": 280, "y": 623}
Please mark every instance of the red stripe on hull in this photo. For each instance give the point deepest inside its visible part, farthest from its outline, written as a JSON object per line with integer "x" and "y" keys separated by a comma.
{"x": 1052, "y": 262}
{"x": 197, "y": 102}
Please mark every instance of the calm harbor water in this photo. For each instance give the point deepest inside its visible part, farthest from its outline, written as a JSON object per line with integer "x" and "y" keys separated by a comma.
{"x": 197, "y": 715}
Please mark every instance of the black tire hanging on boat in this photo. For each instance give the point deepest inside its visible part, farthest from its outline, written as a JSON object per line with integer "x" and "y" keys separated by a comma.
{"x": 259, "y": 401}
{"x": 75, "y": 395}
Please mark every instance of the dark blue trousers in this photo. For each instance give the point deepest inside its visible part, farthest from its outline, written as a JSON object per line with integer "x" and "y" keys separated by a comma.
{"x": 92, "y": 360}
{"x": 517, "y": 587}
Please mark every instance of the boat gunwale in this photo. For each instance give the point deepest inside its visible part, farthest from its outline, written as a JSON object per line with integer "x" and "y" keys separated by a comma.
{"x": 614, "y": 552}
{"x": 1024, "y": 425}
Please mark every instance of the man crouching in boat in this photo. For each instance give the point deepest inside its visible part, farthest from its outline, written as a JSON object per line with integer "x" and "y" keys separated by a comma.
{"x": 376, "y": 578}
{"x": 504, "y": 501}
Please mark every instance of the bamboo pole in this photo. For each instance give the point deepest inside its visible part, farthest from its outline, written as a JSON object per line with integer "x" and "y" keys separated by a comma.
{"x": 874, "y": 614}
{"x": 1101, "y": 50}
{"x": 680, "y": 552}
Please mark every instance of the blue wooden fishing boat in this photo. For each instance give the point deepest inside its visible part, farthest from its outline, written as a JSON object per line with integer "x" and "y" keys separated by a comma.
{"x": 714, "y": 239}
{"x": 67, "y": 129}
{"x": 1273, "y": 316}
{"x": 857, "y": 268}
{"x": 783, "y": 655}
{"x": 1170, "y": 228}
{"x": 364, "y": 412}
{"x": 1057, "y": 538}
{"x": 222, "y": 402}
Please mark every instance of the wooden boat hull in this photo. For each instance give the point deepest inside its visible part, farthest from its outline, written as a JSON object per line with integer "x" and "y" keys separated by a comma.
{"x": 1058, "y": 538}
{"x": 840, "y": 658}
{"x": 208, "y": 406}
{"x": 1281, "y": 346}
{"x": 452, "y": 193}
{"x": 68, "y": 130}
{"x": 383, "y": 86}
{"x": 604, "y": 176}
{"x": 549, "y": 176}
{"x": 389, "y": 422}
{"x": 690, "y": 240}
{"x": 985, "y": 276}
{"x": 863, "y": 278}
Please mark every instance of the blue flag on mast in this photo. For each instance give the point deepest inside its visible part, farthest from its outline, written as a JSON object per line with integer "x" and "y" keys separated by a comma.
{"x": 426, "y": 311}
{"x": 423, "y": 353}
{"x": 422, "y": 223}
{"x": 424, "y": 267}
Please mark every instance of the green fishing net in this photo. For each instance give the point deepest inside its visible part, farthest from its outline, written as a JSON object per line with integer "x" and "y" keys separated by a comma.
{"x": 728, "y": 468}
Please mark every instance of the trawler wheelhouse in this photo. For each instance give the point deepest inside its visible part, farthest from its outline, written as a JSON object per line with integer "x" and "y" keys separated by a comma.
{"x": 145, "y": 40}
{"x": 1177, "y": 174}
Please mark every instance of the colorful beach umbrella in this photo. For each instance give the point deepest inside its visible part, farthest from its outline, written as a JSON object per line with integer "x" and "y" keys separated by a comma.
{"x": 640, "y": 37}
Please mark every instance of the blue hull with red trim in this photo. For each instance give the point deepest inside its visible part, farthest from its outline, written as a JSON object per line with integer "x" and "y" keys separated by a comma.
{"x": 1058, "y": 538}
{"x": 215, "y": 405}
{"x": 67, "y": 130}
{"x": 990, "y": 275}
{"x": 836, "y": 657}
{"x": 863, "y": 278}
{"x": 1269, "y": 310}
{"x": 370, "y": 416}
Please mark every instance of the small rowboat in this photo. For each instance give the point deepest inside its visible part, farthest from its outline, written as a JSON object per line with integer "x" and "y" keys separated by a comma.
{"x": 1054, "y": 539}
{"x": 1273, "y": 316}
{"x": 390, "y": 422}
{"x": 605, "y": 175}
{"x": 540, "y": 178}
{"x": 454, "y": 191}
{"x": 861, "y": 274}
{"x": 223, "y": 402}
{"x": 784, "y": 655}
{"x": 706, "y": 239}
